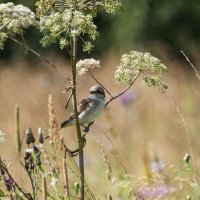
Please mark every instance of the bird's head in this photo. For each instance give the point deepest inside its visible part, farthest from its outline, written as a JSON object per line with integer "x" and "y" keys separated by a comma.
{"x": 97, "y": 90}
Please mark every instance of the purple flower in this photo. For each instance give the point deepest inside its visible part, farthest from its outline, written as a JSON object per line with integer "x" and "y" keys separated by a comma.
{"x": 157, "y": 166}
{"x": 9, "y": 184}
{"x": 127, "y": 98}
{"x": 156, "y": 191}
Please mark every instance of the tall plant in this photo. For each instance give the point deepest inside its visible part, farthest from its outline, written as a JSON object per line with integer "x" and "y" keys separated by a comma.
{"x": 66, "y": 22}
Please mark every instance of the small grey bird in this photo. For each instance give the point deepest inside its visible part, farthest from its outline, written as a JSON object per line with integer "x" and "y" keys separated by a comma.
{"x": 89, "y": 108}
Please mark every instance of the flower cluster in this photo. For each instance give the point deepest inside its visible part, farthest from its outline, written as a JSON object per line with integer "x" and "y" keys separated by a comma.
{"x": 32, "y": 156}
{"x": 58, "y": 26}
{"x": 2, "y": 137}
{"x": 13, "y": 19}
{"x": 151, "y": 68}
{"x": 85, "y": 65}
{"x": 112, "y": 6}
{"x": 60, "y": 20}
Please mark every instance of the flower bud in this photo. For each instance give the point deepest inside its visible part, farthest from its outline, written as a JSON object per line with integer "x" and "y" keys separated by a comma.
{"x": 29, "y": 136}
{"x": 40, "y": 133}
{"x": 186, "y": 158}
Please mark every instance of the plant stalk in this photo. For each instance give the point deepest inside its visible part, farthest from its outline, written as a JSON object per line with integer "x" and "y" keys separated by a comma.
{"x": 78, "y": 130}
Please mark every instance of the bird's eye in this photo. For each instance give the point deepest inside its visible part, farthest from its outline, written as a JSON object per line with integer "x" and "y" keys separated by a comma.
{"x": 100, "y": 91}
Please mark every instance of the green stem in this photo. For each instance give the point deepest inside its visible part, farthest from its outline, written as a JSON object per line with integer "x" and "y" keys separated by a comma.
{"x": 78, "y": 130}
{"x": 17, "y": 129}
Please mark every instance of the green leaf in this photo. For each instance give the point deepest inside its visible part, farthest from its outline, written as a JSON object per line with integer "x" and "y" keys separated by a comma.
{"x": 2, "y": 193}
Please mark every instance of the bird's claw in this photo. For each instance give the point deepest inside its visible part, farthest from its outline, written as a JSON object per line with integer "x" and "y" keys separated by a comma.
{"x": 71, "y": 153}
{"x": 87, "y": 128}
{"x": 75, "y": 152}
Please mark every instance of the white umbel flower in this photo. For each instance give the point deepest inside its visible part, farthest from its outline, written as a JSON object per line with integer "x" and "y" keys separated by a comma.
{"x": 17, "y": 16}
{"x": 85, "y": 65}
{"x": 150, "y": 67}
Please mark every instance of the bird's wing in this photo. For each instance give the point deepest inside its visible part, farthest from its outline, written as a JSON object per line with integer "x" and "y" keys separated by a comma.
{"x": 81, "y": 106}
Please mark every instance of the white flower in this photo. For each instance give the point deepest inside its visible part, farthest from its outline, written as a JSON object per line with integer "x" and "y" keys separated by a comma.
{"x": 54, "y": 181}
{"x": 18, "y": 16}
{"x": 29, "y": 150}
{"x": 2, "y": 137}
{"x": 150, "y": 67}
{"x": 85, "y": 65}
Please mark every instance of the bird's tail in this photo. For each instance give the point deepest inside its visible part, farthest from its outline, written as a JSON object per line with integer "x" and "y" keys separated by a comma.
{"x": 66, "y": 123}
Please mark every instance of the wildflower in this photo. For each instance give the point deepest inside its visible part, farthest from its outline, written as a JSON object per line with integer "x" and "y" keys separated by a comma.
{"x": 28, "y": 159}
{"x": 2, "y": 137}
{"x": 85, "y": 65}
{"x": 145, "y": 63}
{"x": 19, "y": 16}
{"x": 73, "y": 24}
{"x": 9, "y": 184}
{"x": 13, "y": 19}
{"x": 157, "y": 166}
{"x": 127, "y": 98}
{"x": 54, "y": 181}
{"x": 113, "y": 6}
{"x": 154, "y": 192}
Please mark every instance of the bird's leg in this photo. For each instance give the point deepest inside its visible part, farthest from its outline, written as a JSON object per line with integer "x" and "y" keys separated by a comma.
{"x": 83, "y": 126}
{"x": 71, "y": 153}
{"x": 87, "y": 128}
{"x": 76, "y": 151}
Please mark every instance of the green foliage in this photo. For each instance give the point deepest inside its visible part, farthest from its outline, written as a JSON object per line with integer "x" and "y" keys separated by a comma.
{"x": 60, "y": 22}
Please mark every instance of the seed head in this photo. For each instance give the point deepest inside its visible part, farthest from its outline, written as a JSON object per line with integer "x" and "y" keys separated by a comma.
{"x": 40, "y": 133}
{"x": 29, "y": 136}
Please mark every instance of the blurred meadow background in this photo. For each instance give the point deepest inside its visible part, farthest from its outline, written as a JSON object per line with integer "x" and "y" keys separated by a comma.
{"x": 142, "y": 133}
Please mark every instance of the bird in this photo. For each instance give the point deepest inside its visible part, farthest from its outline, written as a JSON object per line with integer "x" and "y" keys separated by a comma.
{"x": 89, "y": 109}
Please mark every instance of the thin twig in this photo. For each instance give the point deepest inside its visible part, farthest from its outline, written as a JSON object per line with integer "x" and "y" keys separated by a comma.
{"x": 44, "y": 188}
{"x": 193, "y": 67}
{"x": 186, "y": 130}
{"x": 100, "y": 83}
{"x": 32, "y": 183}
{"x": 25, "y": 43}
{"x": 118, "y": 157}
{"x": 70, "y": 96}
{"x": 42, "y": 57}
{"x": 65, "y": 178}
{"x": 126, "y": 89}
{"x": 86, "y": 185}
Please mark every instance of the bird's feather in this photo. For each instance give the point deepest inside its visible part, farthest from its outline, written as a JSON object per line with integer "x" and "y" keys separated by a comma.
{"x": 81, "y": 107}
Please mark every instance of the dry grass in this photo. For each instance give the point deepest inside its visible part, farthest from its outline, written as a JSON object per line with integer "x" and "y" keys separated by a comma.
{"x": 149, "y": 126}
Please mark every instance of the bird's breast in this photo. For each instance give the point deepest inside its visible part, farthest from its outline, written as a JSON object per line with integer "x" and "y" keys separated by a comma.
{"x": 92, "y": 112}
